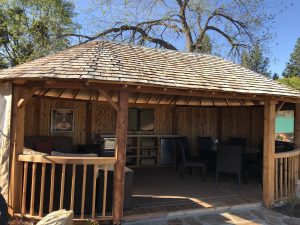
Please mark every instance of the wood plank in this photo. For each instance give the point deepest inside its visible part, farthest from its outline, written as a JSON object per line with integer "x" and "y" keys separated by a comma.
{"x": 121, "y": 142}
{"x": 269, "y": 153}
{"x": 220, "y": 125}
{"x": 16, "y": 146}
{"x": 83, "y": 191}
{"x": 276, "y": 179}
{"x": 42, "y": 191}
{"x": 104, "y": 191}
{"x": 26, "y": 97}
{"x": 24, "y": 187}
{"x": 281, "y": 178}
{"x": 159, "y": 90}
{"x": 52, "y": 187}
{"x": 32, "y": 196}
{"x": 62, "y": 186}
{"x": 108, "y": 98}
{"x": 94, "y": 190}
{"x": 297, "y": 129}
{"x": 88, "y": 123}
{"x": 73, "y": 186}
{"x": 286, "y": 177}
{"x": 67, "y": 160}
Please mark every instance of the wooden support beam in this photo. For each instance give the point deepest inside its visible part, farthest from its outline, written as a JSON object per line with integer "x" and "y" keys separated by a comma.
{"x": 25, "y": 98}
{"x": 109, "y": 99}
{"x": 269, "y": 153}
{"x": 17, "y": 144}
{"x": 120, "y": 154}
{"x": 297, "y": 130}
{"x": 280, "y": 106}
{"x": 297, "y": 126}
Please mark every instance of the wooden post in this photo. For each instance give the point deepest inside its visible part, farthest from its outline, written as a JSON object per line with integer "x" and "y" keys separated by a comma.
{"x": 269, "y": 153}
{"x": 297, "y": 129}
{"x": 17, "y": 144}
{"x": 120, "y": 154}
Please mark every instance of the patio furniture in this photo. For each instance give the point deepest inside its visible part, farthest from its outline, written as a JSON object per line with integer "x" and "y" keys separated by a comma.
{"x": 184, "y": 158}
{"x": 253, "y": 163}
{"x": 47, "y": 144}
{"x": 237, "y": 141}
{"x": 207, "y": 151}
{"x": 229, "y": 160}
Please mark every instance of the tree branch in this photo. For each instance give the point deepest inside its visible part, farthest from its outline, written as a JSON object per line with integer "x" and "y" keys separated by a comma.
{"x": 123, "y": 28}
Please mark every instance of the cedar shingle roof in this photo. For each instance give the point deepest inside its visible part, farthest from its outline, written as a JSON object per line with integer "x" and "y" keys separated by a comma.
{"x": 115, "y": 62}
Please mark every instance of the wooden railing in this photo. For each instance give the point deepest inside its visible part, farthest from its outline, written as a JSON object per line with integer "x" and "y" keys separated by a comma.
{"x": 286, "y": 174}
{"x": 53, "y": 182}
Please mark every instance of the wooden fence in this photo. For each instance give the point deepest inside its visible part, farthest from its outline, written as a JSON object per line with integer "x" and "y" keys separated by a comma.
{"x": 286, "y": 174}
{"x": 45, "y": 178}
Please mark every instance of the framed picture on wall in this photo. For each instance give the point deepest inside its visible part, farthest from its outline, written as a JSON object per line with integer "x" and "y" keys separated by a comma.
{"x": 62, "y": 120}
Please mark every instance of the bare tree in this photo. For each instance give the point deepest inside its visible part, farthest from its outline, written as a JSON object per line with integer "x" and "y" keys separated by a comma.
{"x": 202, "y": 24}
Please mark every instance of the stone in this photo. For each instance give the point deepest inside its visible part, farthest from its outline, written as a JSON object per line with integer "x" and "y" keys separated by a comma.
{"x": 192, "y": 221}
{"x": 175, "y": 222}
{"x": 60, "y": 217}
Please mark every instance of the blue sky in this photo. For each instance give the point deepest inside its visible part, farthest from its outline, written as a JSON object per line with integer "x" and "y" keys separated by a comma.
{"x": 286, "y": 28}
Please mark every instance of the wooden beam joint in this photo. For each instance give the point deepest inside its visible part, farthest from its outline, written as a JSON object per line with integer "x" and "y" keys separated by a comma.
{"x": 25, "y": 98}
{"x": 109, "y": 99}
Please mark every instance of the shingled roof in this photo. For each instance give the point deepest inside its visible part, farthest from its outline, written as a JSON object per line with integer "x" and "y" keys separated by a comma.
{"x": 115, "y": 63}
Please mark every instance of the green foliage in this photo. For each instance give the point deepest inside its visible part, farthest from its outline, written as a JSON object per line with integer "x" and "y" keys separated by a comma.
{"x": 293, "y": 66}
{"x": 293, "y": 82}
{"x": 255, "y": 61}
{"x": 30, "y": 29}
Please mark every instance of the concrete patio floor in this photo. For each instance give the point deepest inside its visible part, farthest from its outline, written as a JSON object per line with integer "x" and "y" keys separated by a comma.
{"x": 249, "y": 216}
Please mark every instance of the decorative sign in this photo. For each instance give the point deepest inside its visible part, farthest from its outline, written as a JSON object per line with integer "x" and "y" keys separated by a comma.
{"x": 62, "y": 120}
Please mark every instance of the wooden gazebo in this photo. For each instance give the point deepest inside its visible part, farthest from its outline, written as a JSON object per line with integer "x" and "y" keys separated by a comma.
{"x": 101, "y": 72}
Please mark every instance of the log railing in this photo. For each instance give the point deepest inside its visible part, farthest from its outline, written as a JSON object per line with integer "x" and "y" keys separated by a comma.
{"x": 54, "y": 182}
{"x": 286, "y": 174}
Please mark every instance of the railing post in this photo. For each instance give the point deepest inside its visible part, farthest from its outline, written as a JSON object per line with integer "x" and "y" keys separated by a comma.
{"x": 269, "y": 153}
{"x": 120, "y": 154}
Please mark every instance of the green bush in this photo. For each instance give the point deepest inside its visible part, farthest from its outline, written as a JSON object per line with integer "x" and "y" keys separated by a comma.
{"x": 293, "y": 82}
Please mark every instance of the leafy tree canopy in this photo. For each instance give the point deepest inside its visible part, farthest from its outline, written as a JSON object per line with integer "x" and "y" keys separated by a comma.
{"x": 33, "y": 28}
{"x": 293, "y": 66}
{"x": 293, "y": 82}
{"x": 256, "y": 61}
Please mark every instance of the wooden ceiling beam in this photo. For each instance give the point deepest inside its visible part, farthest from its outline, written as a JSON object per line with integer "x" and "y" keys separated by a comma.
{"x": 159, "y": 90}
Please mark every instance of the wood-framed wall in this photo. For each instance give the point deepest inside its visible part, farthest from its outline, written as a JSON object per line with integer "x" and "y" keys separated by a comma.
{"x": 100, "y": 118}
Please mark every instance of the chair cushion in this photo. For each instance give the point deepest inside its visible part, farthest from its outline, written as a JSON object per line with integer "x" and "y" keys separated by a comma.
{"x": 54, "y": 153}
{"x": 28, "y": 151}
{"x": 44, "y": 146}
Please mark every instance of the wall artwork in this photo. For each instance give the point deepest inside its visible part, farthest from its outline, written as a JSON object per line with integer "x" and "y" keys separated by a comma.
{"x": 62, "y": 120}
